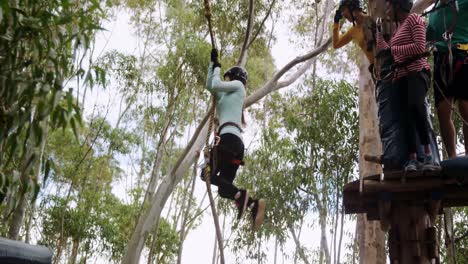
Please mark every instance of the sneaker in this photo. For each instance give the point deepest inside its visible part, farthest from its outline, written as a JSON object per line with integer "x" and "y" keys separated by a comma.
{"x": 203, "y": 173}
{"x": 241, "y": 203}
{"x": 429, "y": 164}
{"x": 258, "y": 213}
{"x": 411, "y": 165}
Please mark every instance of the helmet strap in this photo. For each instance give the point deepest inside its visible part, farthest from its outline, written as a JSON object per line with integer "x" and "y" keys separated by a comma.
{"x": 352, "y": 17}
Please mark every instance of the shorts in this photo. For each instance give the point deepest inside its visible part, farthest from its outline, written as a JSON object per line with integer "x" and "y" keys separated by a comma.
{"x": 458, "y": 88}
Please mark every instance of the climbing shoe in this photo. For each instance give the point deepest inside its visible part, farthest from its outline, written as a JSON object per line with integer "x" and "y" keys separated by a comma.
{"x": 429, "y": 164}
{"x": 203, "y": 172}
{"x": 258, "y": 213}
{"x": 411, "y": 165}
{"x": 241, "y": 203}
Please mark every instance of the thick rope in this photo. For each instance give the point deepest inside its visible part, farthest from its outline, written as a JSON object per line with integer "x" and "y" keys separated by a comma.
{"x": 208, "y": 172}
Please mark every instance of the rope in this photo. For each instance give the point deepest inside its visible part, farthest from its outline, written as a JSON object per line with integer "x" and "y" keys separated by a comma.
{"x": 209, "y": 171}
{"x": 208, "y": 17}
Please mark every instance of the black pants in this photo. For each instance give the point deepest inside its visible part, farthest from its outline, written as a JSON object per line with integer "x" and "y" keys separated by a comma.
{"x": 413, "y": 89}
{"x": 230, "y": 147}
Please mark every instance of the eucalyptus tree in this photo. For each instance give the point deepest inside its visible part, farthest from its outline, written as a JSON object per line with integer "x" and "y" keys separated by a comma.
{"x": 42, "y": 47}
{"x": 78, "y": 203}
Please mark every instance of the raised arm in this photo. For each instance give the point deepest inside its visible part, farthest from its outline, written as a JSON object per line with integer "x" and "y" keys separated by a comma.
{"x": 209, "y": 77}
{"x": 218, "y": 85}
{"x": 339, "y": 41}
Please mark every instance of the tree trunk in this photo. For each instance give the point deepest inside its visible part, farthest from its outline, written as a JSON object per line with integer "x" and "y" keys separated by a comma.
{"x": 370, "y": 236}
{"x": 74, "y": 254}
{"x": 61, "y": 244}
{"x": 18, "y": 217}
{"x": 449, "y": 238}
{"x": 151, "y": 251}
{"x": 276, "y": 250}
{"x": 29, "y": 223}
{"x": 298, "y": 246}
{"x": 186, "y": 213}
{"x": 323, "y": 237}
{"x": 340, "y": 240}
{"x": 18, "y": 214}
{"x": 410, "y": 243}
{"x": 215, "y": 251}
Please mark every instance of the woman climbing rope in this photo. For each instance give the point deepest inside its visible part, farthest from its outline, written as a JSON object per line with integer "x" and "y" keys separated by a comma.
{"x": 352, "y": 11}
{"x": 411, "y": 76}
{"x": 230, "y": 95}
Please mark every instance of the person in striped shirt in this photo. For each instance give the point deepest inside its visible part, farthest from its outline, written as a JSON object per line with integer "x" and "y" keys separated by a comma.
{"x": 406, "y": 45}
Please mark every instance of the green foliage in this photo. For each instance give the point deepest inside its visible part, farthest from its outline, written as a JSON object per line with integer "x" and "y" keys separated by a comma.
{"x": 39, "y": 44}
{"x": 306, "y": 154}
{"x": 164, "y": 243}
{"x": 86, "y": 211}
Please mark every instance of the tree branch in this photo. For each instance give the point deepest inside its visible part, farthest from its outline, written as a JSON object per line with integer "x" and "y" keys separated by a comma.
{"x": 273, "y": 84}
{"x": 243, "y": 55}
{"x": 298, "y": 246}
{"x": 421, "y": 5}
{"x": 261, "y": 24}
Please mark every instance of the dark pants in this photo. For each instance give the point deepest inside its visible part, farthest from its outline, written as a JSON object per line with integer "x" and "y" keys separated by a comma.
{"x": 230, "y": 147}
{"x": 413, "y": 89}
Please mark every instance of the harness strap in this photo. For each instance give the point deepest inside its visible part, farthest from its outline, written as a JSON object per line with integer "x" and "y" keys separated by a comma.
{"x": 443, "y": 60}
{"x": 229, "y": 124}
{"x": 412, "y": 59}
{"x": 462, "y": 47}
{"x": 396, "y": 66}
{"x": 229, "y": 155}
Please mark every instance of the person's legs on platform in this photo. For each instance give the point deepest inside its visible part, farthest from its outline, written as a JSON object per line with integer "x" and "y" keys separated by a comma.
{"x": 412, "y": 163}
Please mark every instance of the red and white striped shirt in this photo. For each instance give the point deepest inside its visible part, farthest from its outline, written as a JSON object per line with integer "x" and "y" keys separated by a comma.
{"x": 409, "y": 40}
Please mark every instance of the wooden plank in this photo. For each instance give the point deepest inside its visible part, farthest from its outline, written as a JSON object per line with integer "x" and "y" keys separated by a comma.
{"x": 412, "y": 184}
{"x": 453, "y": 196}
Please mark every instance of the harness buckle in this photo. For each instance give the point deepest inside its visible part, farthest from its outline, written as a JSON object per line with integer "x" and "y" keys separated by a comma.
{"x": 447, "y": 35}
{"x": 216, "y": 140}
{"x": 463, "y": 47}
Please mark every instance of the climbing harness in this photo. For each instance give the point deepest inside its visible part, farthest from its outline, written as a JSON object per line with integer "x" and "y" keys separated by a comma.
{"x": 399, "y": 65}
{"x": 212, "y": 153}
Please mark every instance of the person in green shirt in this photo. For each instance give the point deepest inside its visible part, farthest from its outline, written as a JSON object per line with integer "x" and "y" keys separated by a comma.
{"x": 450, "y": 81}
{"x": 230, "y": 95}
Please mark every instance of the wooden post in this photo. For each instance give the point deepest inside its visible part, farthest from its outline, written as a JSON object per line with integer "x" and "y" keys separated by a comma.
{"x": 410, "y": 234}
{"x": 408, "y": 223}
{"x": 371, "y": 238}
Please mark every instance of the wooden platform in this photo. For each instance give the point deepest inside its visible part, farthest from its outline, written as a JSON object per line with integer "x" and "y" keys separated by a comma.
{"x": 449, "y": 186}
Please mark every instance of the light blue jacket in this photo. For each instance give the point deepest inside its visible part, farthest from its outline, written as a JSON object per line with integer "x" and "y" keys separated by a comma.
{"x": 230, "y": 98}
